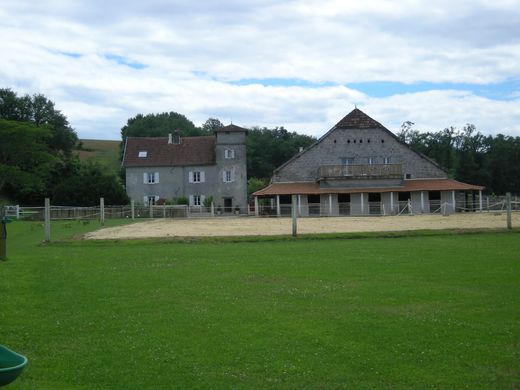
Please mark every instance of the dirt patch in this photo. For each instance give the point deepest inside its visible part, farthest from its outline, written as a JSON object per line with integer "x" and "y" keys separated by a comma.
{"x": 252, "y": 226}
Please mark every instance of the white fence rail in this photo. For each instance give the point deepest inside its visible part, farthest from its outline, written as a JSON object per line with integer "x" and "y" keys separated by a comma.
{"x": 322, "y": 209}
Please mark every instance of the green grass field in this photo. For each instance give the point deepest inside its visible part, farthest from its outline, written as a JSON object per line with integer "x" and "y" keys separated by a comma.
{"x": 104, "y": 152}
{"x": 437, "y": 311}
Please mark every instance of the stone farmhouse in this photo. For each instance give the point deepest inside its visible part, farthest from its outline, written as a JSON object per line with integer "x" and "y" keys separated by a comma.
{"x": 359, "y": 167}
{"x": 193, "y": 167}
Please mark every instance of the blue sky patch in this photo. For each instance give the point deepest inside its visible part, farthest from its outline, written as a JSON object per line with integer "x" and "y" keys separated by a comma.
{"x": 70, "y": 54}
{"x": 505, "y": 90}
{"x": 282, "y": 82}
{"x": 125, "y": 61}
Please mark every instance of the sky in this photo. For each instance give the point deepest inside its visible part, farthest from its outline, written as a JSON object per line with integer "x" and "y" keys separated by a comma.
{"x": 299, "y": 64}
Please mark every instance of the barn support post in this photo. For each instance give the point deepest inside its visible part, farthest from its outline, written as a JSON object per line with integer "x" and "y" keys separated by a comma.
{"x": 508, "y": 205}
{"x": 453, "y": 201}
{"x": 330, "y": 205}
{"x": 480, "y": 200}
{"x": 278, "y": 205}
{"x": 422, "y": 202}
{"x": 132, "y": 209}
{"x": 362, "y": 204}
{"x": 102, "y": 211}
{"x": 257, "y": 212}
{"x": 391, "y": 202}
{"x": 47, "y": 223}
{"x": 294, "y": 213}
{"x": 299, "y": 205}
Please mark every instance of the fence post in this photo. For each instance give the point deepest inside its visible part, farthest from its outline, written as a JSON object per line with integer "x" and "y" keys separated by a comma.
{"x": 132, "y": 207}
{"x": 293, "y": 211}
{"x": 409, "y": 207}
{"x": 164, "y": 211}
{"x": 508, "y": 205}
{"x": 102, "y": 211}
{"x": 212, "y": 209}
{"x": 47, "y": 223}
{"x": 151, "y": 209}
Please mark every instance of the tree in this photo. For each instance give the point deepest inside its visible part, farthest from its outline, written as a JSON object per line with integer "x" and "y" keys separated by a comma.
{"x": 25, "y": 160}
{"x": 267, "y": 149}
{"x": 159, "y": 125}
{"x": 40, "y": 111}
{"x": 212, "y": 125}
{"x": 87, "y": 185}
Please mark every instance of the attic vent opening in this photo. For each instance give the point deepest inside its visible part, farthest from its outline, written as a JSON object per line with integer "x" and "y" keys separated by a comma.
{"x": 143, "y": 154}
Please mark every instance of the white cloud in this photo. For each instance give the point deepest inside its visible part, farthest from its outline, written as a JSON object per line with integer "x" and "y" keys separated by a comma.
{"x": 191, "y": 49}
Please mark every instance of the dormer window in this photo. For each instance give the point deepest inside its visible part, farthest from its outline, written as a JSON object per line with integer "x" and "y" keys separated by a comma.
{"x": 143, "y": 154}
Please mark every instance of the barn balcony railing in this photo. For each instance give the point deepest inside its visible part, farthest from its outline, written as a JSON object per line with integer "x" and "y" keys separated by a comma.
{"x": 362, "y": 171}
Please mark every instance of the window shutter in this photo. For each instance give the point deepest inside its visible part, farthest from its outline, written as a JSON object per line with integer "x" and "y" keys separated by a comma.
{"x": 202, "y": 176}
{"x": 191, "y": 200}
{"x": 224, "y": 176}
{"x": 202, "y": 197}
{"x": 190, "y": 177}
{"x": 232, "y": 153}
{"x": 145, "y": 178}
{"x": 145, "y": 200}
{"x": 157, "y": 177}
{"x": 156, "y": 198}
{"x": 233, "y": 175}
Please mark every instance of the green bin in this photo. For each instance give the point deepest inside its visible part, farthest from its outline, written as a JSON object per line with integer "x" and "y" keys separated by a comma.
{"x": 11, "y": 365}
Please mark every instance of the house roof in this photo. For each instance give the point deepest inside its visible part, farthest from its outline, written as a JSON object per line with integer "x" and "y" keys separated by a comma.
{"x": 159, "y": 153}
{"x": 312, "y": 188}
{"x": 357, "y": 119}
{"x": 232, "y": 128}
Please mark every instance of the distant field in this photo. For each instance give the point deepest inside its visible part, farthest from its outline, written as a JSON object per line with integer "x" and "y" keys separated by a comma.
{"x": 103, "y": 151}
{"x": 439, "y": 311}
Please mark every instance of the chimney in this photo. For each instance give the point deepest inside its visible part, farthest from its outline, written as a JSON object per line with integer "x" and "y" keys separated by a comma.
{"x": 170, "y": 138}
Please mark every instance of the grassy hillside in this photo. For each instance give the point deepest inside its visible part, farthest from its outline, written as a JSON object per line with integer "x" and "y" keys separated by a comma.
{"x": 413, "y": 312}
{"x": 102, "y": 151}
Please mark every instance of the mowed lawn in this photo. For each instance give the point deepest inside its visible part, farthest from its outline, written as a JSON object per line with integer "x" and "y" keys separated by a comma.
{"x": 439, "y": 311}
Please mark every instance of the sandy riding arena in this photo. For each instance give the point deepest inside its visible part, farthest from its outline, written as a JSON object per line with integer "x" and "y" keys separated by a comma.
{"x": 251, "y": 226}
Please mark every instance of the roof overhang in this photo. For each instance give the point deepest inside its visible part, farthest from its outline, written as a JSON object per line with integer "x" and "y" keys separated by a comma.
{"x": 312, "y": 188}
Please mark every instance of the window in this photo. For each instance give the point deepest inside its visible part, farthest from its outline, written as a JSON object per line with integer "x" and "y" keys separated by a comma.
{"x": 347, "y": 161}
{"x": 150, "y": 200}
{"x": 386, "y": 160}
{"x": 408, "y": 176}
{"x": 228, "y": 176}
{"x": 143, "y": 154}
{"x": 229, "y": 153}
{"x": 196, "y": 200}
{"x": 151, "y": 178}
{"x": 371, "y": 160}
{"x": 196, "y": 177}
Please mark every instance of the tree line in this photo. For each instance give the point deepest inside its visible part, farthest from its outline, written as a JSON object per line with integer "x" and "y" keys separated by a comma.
{"x": 37, "y": 159}
{"x": 470, "y": 156}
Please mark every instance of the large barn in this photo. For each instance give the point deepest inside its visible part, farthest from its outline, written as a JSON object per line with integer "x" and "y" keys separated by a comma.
{"x": 359, "y": 167}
